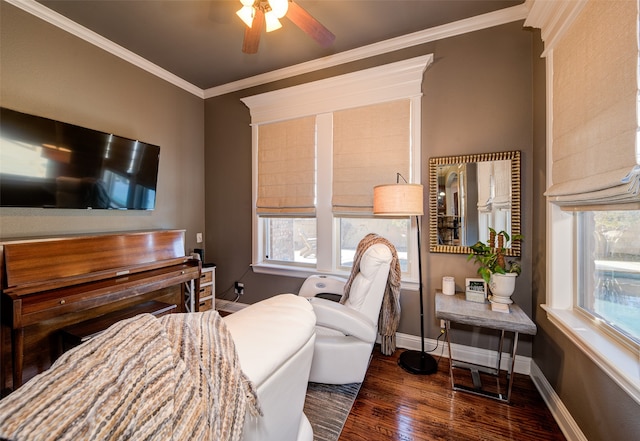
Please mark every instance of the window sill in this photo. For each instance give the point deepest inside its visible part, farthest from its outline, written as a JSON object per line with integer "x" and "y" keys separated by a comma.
{"x": 619, "y": 362}
{"x": 285, "y": 270}
{"x": 303, "y": 273}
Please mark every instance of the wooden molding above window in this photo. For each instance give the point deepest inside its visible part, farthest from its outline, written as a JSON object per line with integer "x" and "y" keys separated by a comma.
{"x": 380, "y": 84}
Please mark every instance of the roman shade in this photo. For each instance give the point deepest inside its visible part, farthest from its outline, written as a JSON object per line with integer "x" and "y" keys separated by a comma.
{"x": 371, "y": 144}
{"x": 596, "y": 158}
{"x": 287, "y": 167}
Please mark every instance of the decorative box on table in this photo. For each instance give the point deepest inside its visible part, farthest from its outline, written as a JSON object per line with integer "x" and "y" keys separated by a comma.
{"x": 476, "y": 290}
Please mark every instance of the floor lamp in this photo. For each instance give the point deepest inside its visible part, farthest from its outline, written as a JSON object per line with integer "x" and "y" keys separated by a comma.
{"x": 406, "y": 200}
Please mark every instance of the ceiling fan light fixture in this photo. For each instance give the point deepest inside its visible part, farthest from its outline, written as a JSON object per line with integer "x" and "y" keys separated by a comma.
{"x": 272, "y": 21}
{"x": 261, "y": 14}
{"x": 279, "y": 7}
{"x": 246, "y": 14}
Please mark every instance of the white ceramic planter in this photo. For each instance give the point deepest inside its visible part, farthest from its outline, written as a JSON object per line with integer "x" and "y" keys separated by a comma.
{"x": 502, "y": 286}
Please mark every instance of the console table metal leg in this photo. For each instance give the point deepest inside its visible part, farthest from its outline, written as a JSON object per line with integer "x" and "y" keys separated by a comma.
{"x": 447, "y": 324}
{"x": 499, "y": 360}
{"x": 513, "y": 364}
{"x": 475, "y": 370}
{"x": 500, "y": 346}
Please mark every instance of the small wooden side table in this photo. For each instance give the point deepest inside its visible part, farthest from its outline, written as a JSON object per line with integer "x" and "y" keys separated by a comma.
{"x": 456, "y": 309}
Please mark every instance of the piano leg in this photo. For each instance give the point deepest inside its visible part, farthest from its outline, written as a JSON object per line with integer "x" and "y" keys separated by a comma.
{"x": 17, "y": 349}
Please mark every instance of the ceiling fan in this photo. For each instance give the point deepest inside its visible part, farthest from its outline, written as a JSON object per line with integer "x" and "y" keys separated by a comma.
{"x": 257, "y": 14}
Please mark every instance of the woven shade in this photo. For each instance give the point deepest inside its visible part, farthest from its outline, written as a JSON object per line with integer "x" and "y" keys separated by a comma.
{"x": 370, "y": 144}
{"x": 398, "y": 200}
{"x": 287, "y": 167}
{"x": 595, "y": 156}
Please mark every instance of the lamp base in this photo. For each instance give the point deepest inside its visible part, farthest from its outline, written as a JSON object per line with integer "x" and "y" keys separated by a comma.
{"x": 419, "y": 363}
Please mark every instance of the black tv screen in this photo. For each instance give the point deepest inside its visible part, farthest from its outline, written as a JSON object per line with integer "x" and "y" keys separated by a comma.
{"x": 51, "y": 164}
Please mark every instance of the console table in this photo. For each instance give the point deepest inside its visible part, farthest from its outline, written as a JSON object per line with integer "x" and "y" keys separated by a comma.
{"x": 456, "y": 309}
{"x": 51, "y": 283}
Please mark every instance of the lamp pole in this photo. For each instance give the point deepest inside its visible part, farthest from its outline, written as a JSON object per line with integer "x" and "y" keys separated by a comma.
{"x": 406, "y": 200}
{"x": 415, "y": 362}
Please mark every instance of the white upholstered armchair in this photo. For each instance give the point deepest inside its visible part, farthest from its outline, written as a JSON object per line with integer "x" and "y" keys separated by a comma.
{"x": 346, "y": 333}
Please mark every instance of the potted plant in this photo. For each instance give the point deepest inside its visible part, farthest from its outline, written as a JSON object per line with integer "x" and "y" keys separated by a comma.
{"x": 499, "y": 273}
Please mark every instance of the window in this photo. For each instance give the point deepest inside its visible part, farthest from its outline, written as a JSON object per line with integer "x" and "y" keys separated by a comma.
{"x": 367, "y": 146}
{"x": 594, "y": 184}
{"x": 360, "y": 129}
{"x": 352, "y": 229}
{"x": 290, "y": 240}
{"x": 609, "y": 270}
{"x": 294, "y": 240}
{"x": 569, "y": 298}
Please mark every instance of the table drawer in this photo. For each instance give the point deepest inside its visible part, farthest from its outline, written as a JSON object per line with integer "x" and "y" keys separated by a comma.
{"x": 206, "y": 291}
{"x": 206, "y": 277}
{"x": 205, "y": 305}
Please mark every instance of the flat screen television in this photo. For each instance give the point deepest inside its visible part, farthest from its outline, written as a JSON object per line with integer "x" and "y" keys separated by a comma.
{"x": 51, "y": 164}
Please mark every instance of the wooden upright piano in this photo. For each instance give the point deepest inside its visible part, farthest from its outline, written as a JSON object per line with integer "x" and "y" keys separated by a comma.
{"x": 48, "y": 284}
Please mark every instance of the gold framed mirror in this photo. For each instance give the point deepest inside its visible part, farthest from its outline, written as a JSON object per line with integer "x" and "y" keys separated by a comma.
{"x": 468, "y": 195}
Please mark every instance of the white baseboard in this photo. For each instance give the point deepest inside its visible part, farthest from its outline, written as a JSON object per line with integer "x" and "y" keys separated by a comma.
{"x": 464, "y": 353}
{"x": 563, "y": 417}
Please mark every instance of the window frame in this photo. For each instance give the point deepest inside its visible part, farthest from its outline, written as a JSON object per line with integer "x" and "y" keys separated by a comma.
{"x": 591, "y": 336}
{"x": 585, "y": 234}
{"x": 395, "y": 81}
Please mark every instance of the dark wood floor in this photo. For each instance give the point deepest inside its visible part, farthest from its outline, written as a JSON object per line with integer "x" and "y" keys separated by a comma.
{"x": 395, "y": 405}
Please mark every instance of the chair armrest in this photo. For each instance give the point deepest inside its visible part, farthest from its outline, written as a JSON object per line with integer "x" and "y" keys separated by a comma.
{"x": 344, "y": 319}
{"x": 318, "y": 284}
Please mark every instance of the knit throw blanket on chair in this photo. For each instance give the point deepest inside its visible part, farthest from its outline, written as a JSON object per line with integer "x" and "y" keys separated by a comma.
{"x": 173, "y": 378}
{"x": 389, "y": 317}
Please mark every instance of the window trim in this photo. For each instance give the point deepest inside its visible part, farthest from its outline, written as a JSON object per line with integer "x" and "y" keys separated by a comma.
{"x": 380, "y": 84}
{"x": 395, "y": 81}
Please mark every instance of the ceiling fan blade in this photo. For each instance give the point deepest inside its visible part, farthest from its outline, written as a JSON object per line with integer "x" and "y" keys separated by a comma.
{"x": 310, "y": 25}
{"x": 252, "y": 34}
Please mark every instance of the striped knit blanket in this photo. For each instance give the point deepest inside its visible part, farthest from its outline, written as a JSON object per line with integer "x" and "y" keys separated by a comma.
{"x": 173, "y": 378}
{"x": 389, "y": 317}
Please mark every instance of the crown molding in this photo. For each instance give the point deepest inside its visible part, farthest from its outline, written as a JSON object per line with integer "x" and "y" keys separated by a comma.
{"x": 553, "y": 18}
{"x": 491, "y": 19}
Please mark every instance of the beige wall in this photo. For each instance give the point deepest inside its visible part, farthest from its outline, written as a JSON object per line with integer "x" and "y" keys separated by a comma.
{"x": 48, "y": 72}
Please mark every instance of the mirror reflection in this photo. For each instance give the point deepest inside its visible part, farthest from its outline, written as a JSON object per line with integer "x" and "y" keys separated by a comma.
{"x": 470, "y": 194}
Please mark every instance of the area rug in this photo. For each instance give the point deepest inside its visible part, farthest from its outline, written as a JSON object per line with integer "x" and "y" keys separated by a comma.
{"x": 327, "y": 407}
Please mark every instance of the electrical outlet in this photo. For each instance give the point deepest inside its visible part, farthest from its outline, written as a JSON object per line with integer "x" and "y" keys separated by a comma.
{"x": 442, "y": 324}
{"x": 239, "y": 288}
{"x": 198, "y": 237}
